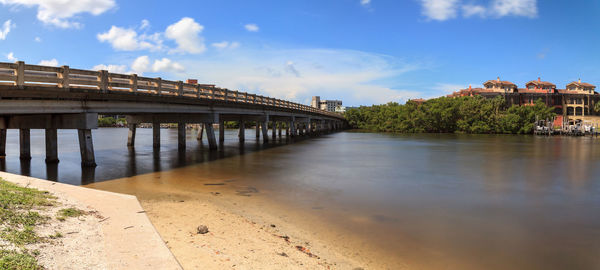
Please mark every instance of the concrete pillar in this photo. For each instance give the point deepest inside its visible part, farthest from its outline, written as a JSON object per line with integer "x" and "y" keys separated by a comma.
{"x": 181, "y": 136}
{"x": 156, "y": 135}
{"x": 274, "y": 130}
{"x": 86, "y": 148}
{"x": 280, "y": 127}
{"x": 257, "y": 130}
{"x": 265, "y": 129}
{"x": 2, "y": 143}
{"x": 25, "y": 143}
{"x": 242, "y": 131}
{"x": 131, "y": 135}
{"x": 51, "y": 145}
{"x": 200, "y": 132}
{"x": 221, "y": 131}
{"x": 210, "y": 135}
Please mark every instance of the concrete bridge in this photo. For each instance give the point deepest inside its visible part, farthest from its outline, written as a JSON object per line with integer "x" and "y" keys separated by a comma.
{"x": 51, "y": 98}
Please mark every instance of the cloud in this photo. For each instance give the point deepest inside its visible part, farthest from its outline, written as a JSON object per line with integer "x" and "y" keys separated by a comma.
{"x": 354, "y": 76}
{"x": 365, "y": 2}
{"x": 51, "y": 62}
{"x": 37, "y": 39}
{"x": 11, "y": 57}
{"x": 473, "y": 10}
{"x": 441, "y": 10}
{"x": 525, "y": 8}
{"x": 167, "y": 65}
{"x": 186, "y": 33}
{"x": 226, "y": 45}
{"x": 144, "y": 24}
{"x": 140, "y": 64}
{"x": 59, "y": 12}
{"x": 6, "y": 27}
{"x": 112, "y": 68}
{"x": 127, "y": 39}
{"x": 251, "y": 27}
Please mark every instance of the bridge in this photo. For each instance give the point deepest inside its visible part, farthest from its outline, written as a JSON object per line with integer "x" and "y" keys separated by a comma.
{"x": 51, "y": 98}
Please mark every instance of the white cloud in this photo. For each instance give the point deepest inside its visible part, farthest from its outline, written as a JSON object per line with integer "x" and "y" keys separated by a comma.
{"x": 112, "y": 68}
{"x": 140, "y": 64}
{"x": 186, "y": 33}
{"x": 365, "y": 2}
{"x": 6, "y": 27}
{"x": 354, "y": 76}
{"x": 51, "y": 62}
{"x": 226, "y": 45}
{"x": 37, "y": 39}
{"x": 473, "y": 10}
{"x": 525, "y": 8}
{"x": 144, "y": 24}
{"x": 439, "y": 10}
{"x": 59, "y": 12}
{"x": 167, "y": 65}
{"x": 251, "y": 27}
{"x": 11, "y": 57}
{"x": 126, "y": 39}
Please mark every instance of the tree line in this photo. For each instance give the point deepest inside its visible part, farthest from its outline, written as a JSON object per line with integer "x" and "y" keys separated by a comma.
{"x": 450, "y": 115}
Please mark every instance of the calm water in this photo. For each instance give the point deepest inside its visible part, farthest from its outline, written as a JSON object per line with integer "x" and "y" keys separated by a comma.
{"x": 436, "y": 201}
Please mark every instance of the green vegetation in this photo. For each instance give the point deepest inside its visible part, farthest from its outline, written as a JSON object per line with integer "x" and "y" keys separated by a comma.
{"x": 68, "y": 212}
{"x": 111, "y": 122}
{"x": 17, "y": 261}
{"x": 450, "y": 115}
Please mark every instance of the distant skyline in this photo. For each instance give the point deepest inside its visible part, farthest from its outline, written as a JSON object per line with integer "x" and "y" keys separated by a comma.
{"x": 360, "y": 51}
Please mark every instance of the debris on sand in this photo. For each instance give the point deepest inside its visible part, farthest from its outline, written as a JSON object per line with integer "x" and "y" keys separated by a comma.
{"x": 202, "y": 229}
{"x": 307, "y": 252}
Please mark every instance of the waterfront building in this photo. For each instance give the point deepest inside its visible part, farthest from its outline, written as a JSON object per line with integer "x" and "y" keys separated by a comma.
{"x": 572, "y": 105}
{"x": 326, "y": 105}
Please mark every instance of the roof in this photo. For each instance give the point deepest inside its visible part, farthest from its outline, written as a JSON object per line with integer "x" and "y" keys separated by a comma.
{"x": 499, "y": 82}
{"x": 540, "y": 83}
{"x": 581, "y": 84}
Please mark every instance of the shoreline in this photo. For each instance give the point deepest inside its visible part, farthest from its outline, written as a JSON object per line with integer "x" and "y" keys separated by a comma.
{"x": 246, "y": 229}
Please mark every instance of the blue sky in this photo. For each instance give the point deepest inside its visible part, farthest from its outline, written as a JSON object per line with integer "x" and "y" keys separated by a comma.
{"x": 360, "y": 51}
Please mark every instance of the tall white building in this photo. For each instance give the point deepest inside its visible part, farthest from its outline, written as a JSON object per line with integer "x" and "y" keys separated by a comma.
{"x": 326, "y": 105}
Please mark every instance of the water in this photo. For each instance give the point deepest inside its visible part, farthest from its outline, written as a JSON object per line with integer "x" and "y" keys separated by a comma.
{"x": 433, "y": 201}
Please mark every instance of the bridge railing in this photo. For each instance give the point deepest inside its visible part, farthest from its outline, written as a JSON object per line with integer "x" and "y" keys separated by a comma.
{"x": 20, "y": 74}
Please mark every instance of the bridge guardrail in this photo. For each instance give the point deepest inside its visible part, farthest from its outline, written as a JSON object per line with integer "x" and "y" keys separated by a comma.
{"x": 20, "y": 74}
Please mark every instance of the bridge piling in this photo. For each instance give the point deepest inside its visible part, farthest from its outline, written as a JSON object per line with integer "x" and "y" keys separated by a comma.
{"x": 210, "y": 135}
{"x": 86, "y": 148}
{"x": 51, "y": 145}
{"x": 2, "y": 143}
{"x": 257, "y": 130}
{"x": 280, "y": 126}
{"x": 25, "y": 143}
{"x": 131, "y": 135}
{"x": 265, "y": 130}
{"x": 200, "y": 132}
{"x": 181, "y": 136}
{"x": 221, "y": 132}
{"x": 242, "y": 131}
{"x": 156, "y": 135}
{"x": 274, "y": 130}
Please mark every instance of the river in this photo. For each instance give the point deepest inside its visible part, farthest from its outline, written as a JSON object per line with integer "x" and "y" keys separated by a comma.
{"x": 431, "y": 201}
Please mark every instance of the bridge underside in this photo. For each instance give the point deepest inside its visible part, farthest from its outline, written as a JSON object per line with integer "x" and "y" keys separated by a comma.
{"x": 38, "y": 108}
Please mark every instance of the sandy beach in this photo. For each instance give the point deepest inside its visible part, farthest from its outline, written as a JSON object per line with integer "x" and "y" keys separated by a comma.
{"x": 246, "y": 231}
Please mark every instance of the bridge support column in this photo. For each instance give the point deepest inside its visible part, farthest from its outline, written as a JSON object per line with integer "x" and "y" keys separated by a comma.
{"x": 279, "y": 129}
{"x": 257, "y": 130}
{"x": 200, "y": 132}
{"x": 221, "y": 132}
{"x": 181, "y": 136}
{"x": 274, "y": 130}
{"x": 242, "y": 131}
{"x": 156, "y": 135}
{"x": 131, "y": 135}
{"x": 51, "y": 145}
{"x": 2, "y": 143}
{"x": 25, "y": 143}
{"x": 86, "y": 148}
{"x": 265, "y": 130}
{"x": 210, "y": 135}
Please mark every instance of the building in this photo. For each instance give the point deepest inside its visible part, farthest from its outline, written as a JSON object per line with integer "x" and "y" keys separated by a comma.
{"x": 326, "y": 105}
{"x": 572, "y": 105}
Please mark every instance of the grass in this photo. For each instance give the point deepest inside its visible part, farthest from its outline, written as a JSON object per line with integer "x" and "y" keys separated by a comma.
{"x": 63, "y": 214}
{"x": 18, "y": 218}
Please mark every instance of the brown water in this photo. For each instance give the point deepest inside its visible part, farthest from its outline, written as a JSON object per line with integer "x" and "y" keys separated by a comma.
{"x": 433, "y": 201}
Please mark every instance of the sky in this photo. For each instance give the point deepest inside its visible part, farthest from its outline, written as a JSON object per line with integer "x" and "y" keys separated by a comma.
{"x": 362, "y": 52}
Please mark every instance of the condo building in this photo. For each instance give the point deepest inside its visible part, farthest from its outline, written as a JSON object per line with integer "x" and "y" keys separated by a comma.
{"x": 572, "y": 105}
{"x": 327, "y": 105}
